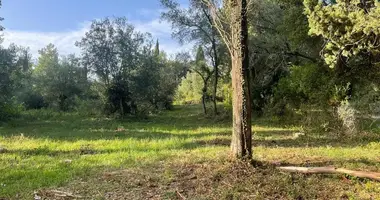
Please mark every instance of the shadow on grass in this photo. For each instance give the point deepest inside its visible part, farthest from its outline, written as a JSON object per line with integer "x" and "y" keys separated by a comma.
{"x": 305, "y": 141}
{"x": 184, "y": 122}
{"x": 188, "y": 121}
{"x": 300, "y": 142}
{"x": 73, "y": 136}
{"x": 20, "y": 183}
{"x": 55, "y": 153}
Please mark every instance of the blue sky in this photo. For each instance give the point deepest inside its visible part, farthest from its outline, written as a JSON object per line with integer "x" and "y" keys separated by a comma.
{"x": 35, "y": 23}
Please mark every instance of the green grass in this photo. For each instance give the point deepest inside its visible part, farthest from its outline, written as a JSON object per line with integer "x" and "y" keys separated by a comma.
{"x": 159, "y": 157}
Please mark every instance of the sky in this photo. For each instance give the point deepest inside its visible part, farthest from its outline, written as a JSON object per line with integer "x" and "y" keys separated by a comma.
{"x": 36, "y": 23}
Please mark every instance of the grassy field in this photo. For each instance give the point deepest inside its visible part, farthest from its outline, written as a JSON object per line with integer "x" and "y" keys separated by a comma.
{"x": 175, "y": 154}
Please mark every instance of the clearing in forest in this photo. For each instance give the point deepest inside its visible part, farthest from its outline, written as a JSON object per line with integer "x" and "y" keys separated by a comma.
{"x": 175, "y": 155}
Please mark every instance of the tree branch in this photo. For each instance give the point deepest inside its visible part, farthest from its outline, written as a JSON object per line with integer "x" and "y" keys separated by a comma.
{"x": 300, "y": 55}
{"x": 331, "y": 170}
{"x": 218, "y": 24}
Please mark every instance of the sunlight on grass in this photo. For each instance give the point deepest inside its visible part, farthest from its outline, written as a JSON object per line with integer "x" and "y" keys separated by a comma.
{"x": 50, "y": 153}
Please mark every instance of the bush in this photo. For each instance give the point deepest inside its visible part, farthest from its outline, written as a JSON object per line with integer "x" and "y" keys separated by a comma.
{"x": 317, "y": 120}
{"x": 190, "y": 89}
{"x": 33, "y": 100}
{"x": 9, "y": 110}
{"x": 89, "y": 107}
{"x": 308, "y": 84}
{"x": 119, "y": 97}
{"x": 227, "y": 96}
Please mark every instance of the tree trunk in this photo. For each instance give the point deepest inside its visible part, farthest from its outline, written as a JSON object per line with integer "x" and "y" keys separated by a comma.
{"x": 61, "y": 103}
{"x": 121, "y": 107}
{"x": 204, "y": 93}
{"x": 241, "y": 145}
{"x": 216, "y": 72}
{"x": 214, "y": 92}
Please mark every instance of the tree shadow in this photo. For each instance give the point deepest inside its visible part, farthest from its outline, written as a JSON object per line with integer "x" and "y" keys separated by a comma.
{"x": 310, "y": 141}
{"x": 114, "y": 135}
{"x": 184, "y": 122}
{"x": 44, "y": 151}
{"x": 161, "y": 126}
{"x": 283, "y": 138}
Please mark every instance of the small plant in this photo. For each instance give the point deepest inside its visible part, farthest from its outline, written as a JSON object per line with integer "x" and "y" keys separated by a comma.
{"x": 347, "y": 114}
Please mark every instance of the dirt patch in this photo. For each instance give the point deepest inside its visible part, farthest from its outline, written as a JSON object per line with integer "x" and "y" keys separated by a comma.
{"x": 222, "y": 179}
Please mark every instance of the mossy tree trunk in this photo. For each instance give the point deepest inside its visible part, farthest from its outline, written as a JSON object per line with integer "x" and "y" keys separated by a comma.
{"x": 236, "y": 39}
{"x": 241, "y": 145}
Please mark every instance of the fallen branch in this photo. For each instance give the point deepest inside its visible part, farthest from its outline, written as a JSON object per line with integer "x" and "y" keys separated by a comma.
{"x": 55, "y": 193}
{"x": 180, "y": 195}
{"x": 331, "y": 170}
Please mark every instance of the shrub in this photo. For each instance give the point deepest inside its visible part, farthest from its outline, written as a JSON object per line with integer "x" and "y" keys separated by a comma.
{"x": 32, "y": 100}
{"x": 347, "y": 114}
{"x": 227, "y": 95}
{"x": 307, "y": 84}
{"x": 89, "y": 107}
{"x": 190, "y": 89}
{"x": 9, "y": 110}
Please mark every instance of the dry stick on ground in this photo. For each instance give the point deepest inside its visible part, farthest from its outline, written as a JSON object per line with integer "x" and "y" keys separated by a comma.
{"x": 180, "y": 195}
{"x": 331, "y": 170}
{"x": 57, "y": 193}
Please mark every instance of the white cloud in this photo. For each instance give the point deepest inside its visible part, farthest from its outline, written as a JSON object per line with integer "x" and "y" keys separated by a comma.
{"x": 155, "y": 27}
{"x": 161, "y": 30}
{"x": 65, "y": 41}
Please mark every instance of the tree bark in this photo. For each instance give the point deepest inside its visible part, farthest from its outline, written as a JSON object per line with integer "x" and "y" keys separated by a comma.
{"x": 241, "y": 145}
{"x": 216, "y": 72}
{"x": 204, "y": 92}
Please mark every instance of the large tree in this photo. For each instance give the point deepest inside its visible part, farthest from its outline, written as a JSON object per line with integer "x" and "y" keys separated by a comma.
{"x": 278, "y": 32}
{"x": 128, "y": 65}
{"x": 99, "y": 51}
{"x": 351, "y": 29}
{"x": 58, "y": 80}
{"x": 112, "y": 49}
{"x": 235, "y": 36}
{"x": 8, "y": 67}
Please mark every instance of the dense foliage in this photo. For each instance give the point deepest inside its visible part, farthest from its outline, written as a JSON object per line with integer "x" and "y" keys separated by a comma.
{"x": 121, "y": 70}
{"x": 8, "y": 76}
{"x": 134, "y": 74}
{"x": 302, "y": 53}
{"x": 351, "y": 29}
